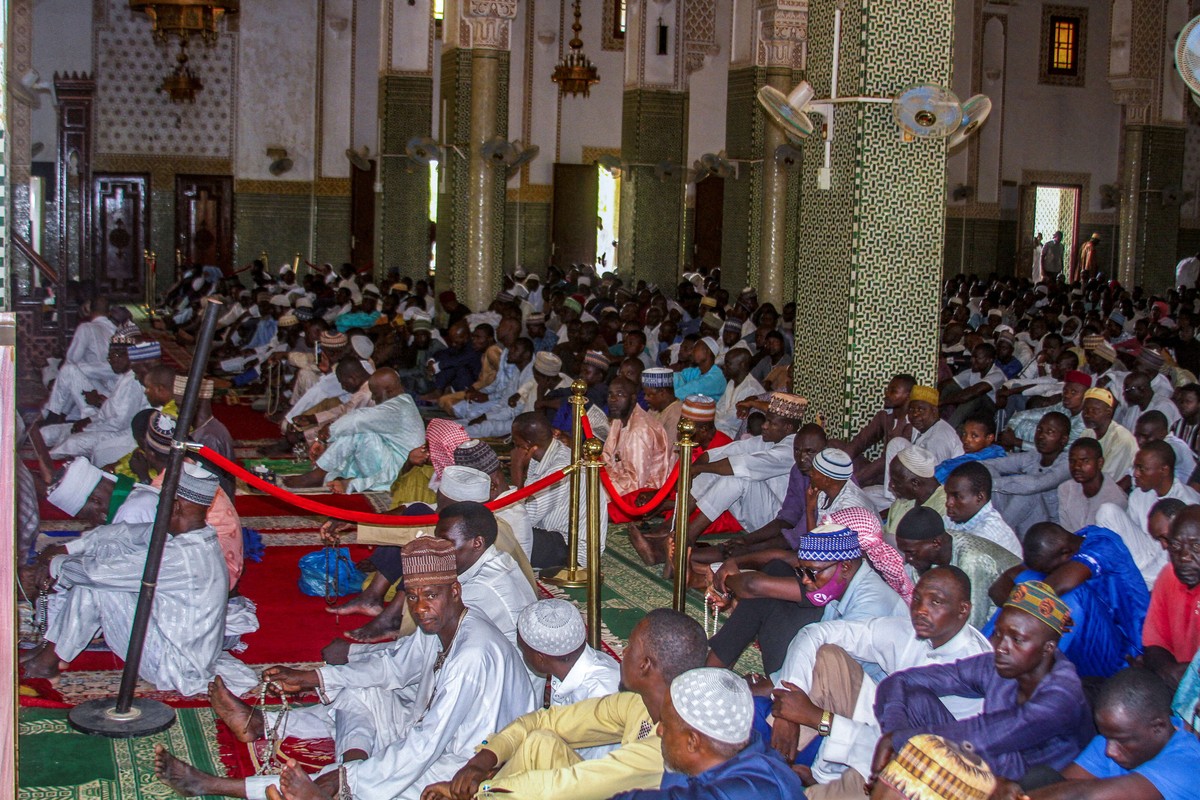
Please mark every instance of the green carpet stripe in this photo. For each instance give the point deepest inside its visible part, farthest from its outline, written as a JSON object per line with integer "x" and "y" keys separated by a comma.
{"x": 58, "y": 763}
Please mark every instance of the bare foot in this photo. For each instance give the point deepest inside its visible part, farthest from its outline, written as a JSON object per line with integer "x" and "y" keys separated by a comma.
{"x": 308, "y": 480}
{"x": 359, "y": 605}
{"x": 246, "y": 724}
{"x": 181, "y": 776}
{"x": 296, "y": 785}
{"x": 377, "y": 630}
{"x": 45, "y": 664}
{"x": 644, "y": 548}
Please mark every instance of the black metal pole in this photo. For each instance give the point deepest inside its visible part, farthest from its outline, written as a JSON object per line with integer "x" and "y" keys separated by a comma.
{"x": 124, "y": 720}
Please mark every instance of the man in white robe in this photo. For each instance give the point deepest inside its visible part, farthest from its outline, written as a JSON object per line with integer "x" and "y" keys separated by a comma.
{"x": 107, "y": 437}
{"x": 406, "y": 716}
{"x": 748, "y": 478}
{"x": 741, "y": 386}
{"x": 368, "y": 446}
{"x": 319, "y": 383}
{"x": 492, "y": 580}
{"x": 97, "y": 578}
{"x": 544, "y": 375}
{"x": 85, "y": 366}
{"x": 552, "y": 640}
{"x": 824, "y": 664}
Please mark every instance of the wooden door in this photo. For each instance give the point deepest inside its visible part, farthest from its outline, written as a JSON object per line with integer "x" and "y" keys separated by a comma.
{"x": 706, "y": 239}
{"x": 1026, "y": 228}
{"x": 204, "y": 219}
{"x": 362, "y": 216}
{"x": 121, "y": 216}
{"x": 573, "y": 224}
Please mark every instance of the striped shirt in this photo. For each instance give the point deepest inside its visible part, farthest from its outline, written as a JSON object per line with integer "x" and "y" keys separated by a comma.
{"x": 550, "y": 509}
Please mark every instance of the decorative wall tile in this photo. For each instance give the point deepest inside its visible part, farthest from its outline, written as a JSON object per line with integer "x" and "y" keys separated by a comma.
{"x": 869, "y": 249}
{"x": 653, "y": 129}
{"x": 406, "y": 105}
{"x": 132, "y": 116}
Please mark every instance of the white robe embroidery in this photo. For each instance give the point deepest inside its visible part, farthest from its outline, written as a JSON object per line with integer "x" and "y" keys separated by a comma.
{"x": 97, "y": 591}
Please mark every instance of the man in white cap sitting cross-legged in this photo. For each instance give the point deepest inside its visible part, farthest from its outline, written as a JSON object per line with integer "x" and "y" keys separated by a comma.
{"x": 551, "y": 638}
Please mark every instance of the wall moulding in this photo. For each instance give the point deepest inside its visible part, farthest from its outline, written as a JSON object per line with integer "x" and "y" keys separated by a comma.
{"x": 322, "y": 187}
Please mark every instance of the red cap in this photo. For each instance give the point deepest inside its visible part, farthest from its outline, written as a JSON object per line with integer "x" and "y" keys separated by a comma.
{"x": 1075, "y": 376}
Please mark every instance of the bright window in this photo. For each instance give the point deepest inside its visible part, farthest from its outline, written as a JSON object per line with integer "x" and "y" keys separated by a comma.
{"x": 439, "y": 9}
{"x": 1064, "y": 45}
{"x": 1063, "y": 51}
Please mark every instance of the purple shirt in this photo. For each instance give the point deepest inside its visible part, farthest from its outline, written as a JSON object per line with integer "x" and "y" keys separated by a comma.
{"x": 1052, "y": 727}
{"x": 793, "y": 513}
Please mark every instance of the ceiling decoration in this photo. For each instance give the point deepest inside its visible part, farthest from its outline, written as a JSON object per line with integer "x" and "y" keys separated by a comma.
{"x": 185, "y": 20}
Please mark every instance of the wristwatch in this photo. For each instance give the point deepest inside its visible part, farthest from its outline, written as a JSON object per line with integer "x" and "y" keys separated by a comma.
{"x": 826, "y": 724}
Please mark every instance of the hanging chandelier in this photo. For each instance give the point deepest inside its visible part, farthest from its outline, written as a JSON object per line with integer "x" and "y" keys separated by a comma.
{"x": 184, "y": 19}
{"x": 575, "y": 74}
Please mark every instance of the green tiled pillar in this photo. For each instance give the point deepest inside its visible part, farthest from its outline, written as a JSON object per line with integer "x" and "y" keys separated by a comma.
{"x": 653, "y": 130}
{"x": 870, "y": 247}
{"x": 474, "y": 90}
{"x": 406, "y": 110}
{"x": 1149, "y": 221}
{"x": 761, "y": 210}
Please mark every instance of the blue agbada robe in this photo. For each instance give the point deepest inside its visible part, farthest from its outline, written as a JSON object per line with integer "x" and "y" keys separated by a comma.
{"x": 756, "y": 773}
{"x": 1108, "y": 609}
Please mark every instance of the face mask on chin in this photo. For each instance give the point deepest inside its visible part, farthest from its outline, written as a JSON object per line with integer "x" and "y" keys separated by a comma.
{"x": 831, "y": 591}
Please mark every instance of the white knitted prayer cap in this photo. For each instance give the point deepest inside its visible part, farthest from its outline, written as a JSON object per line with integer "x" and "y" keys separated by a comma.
{"x": 715, "y": 702}
{"x": 918, "y": 461}
{"x": 460, "y": 484}
{"x": 76, "y": 486}
{"x": 553, "y": 627}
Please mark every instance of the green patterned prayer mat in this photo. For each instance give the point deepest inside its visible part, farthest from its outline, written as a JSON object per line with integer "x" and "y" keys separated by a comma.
{"x": 58, "y": 763}
{"x": 630, "y": 589}
{"x": 280, "y": 466}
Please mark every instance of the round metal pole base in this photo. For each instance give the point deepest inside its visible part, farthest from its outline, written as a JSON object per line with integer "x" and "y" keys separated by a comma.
{"x": 565, "y": 577}
{"x": 100, "y": 718}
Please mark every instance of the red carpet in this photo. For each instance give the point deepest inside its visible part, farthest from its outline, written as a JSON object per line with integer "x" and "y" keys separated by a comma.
{"x": 244, "y": 423}
{"x": 293, "y": 626}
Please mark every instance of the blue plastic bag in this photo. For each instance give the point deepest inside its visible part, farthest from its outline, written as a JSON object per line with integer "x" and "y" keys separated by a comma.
{"x": 329, "y": 573}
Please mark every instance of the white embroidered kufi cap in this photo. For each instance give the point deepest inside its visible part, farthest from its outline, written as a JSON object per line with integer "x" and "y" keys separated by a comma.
{"x": 553, "y": 627}
{"x": 716, "y": 702}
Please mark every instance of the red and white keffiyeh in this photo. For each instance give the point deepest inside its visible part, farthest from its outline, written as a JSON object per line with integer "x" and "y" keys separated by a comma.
{"x": 886, "y": 559}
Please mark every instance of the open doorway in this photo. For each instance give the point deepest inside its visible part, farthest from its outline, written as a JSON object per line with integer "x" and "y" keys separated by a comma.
{"x": 1056, "y": 208}
{"x": 608, "y": 202}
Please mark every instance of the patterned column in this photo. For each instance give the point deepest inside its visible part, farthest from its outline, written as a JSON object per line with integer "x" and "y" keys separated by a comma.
{"x": 870, "y": 246}
{"x": 654, "y": 117}
{"x": 406, "y": 110}
{"x": 1155, "y": 105}
{"x": 475, "y": 62}
{"x": 1149, "y": 219}
{"x": 762, "y": 206}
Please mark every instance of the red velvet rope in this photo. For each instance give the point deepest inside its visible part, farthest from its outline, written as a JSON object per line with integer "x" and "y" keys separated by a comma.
{"x": 623, "y": 505}
{"x": 362, "y": 517}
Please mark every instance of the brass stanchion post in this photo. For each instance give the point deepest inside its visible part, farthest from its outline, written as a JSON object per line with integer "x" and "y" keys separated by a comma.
{"x": 593, "y": 461}
{"x": 682, "y": 493}
{"x": 571, "y": 576}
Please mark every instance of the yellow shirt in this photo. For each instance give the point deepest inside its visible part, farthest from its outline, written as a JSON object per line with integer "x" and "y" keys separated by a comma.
{"x": 618, "y": 718}
{"x": 170, "y": 409}
{"x": 936, "y": 501}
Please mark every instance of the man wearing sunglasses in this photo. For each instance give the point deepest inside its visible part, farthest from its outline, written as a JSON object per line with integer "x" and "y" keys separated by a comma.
{"x": 827, "y": 579}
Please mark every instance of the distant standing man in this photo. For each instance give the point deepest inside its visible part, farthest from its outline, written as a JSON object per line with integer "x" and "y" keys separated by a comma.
{"x": 1087, "y": 265}
{"x": 1052, "y": 258}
